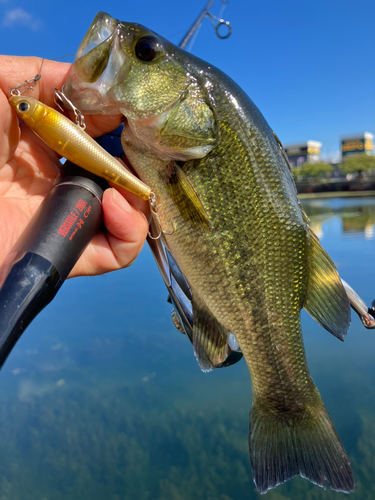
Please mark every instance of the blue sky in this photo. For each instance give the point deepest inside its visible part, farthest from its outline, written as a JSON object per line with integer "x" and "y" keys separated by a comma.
{"x": 308, "y": 66}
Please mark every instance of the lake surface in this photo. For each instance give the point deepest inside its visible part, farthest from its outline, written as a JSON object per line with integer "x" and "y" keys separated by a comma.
{"x": 102, "y": 397}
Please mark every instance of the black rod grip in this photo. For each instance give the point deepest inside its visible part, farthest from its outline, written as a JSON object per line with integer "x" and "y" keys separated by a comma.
{"x": 31, "y": 284}
{"x": 64, "y": 224}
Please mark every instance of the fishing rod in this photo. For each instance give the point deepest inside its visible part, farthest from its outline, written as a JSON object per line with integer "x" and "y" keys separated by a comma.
{"x": 196, "y": 25}
{"x": 45, "y": 254}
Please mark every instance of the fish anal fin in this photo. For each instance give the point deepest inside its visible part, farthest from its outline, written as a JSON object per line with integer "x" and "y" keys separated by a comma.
{"x": 326, "y": 299}
{"x": 210, "y": 338}
{"x": 282, "y": 447}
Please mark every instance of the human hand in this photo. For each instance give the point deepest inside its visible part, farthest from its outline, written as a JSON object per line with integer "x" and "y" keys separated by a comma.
{"x": 28, "y": 168}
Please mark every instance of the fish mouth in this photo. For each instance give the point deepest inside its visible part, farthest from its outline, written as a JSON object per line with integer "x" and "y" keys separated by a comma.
{"x": 108, "y": 78}
{"x": 100, "y": 63}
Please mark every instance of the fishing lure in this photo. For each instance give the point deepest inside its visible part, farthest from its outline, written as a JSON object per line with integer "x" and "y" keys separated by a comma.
{"x": 70, "y": 141}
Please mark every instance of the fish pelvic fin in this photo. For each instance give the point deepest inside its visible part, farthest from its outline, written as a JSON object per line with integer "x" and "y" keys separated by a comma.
{"x": 282, "y": 447}
{"x": 210, "y": 338}
{"x": 326, "y": 299}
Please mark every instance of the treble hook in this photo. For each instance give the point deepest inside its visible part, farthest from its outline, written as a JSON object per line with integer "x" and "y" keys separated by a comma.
{"x": 155, "y": 216}
{"x": 60, "y": 98}
{"x": 29, "y": 84}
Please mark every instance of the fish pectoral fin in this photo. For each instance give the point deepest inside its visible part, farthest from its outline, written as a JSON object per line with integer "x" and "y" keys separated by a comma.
{"x": 326, "y": 299}
{"x": 185, "y": 197}
{"x": 210, "y": 338}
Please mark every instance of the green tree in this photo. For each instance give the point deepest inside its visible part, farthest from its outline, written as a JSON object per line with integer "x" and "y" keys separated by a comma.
{"x": 358, "y": 163}
{"x": 313, "y": 170}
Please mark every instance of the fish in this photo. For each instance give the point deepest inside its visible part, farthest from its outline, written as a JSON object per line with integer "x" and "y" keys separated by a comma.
{"x": 72, "y": 142}
{"x": 233, "y": 224}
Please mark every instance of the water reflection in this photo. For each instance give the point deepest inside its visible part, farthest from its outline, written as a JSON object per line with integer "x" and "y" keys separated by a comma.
{"x": 102, "y": 397}
{"x": 357, "y": 215}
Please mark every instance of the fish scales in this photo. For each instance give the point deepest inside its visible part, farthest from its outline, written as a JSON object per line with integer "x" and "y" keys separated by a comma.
{"x": 234, "y": 226}
{"x": 252, "y": 247}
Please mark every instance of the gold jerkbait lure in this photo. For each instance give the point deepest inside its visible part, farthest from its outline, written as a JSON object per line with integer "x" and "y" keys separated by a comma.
{"x": 73, "y": 143}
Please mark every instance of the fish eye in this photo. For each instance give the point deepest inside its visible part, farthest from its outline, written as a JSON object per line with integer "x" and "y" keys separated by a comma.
{"x": 148, "y": 48}
{"x": 23, "y": 106}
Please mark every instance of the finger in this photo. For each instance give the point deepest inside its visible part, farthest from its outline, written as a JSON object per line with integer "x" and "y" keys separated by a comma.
{"x": 15, "y": 70}
{"x": 127, "y": 227}
{"x": 134, "y": 200}
{"x": 126, "y": 233}
{"x": 97, "y": 125}
{"x": 9, "y": 131}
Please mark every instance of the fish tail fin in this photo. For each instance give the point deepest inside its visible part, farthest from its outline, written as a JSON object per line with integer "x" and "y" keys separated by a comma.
{"x": 282, "y": 447}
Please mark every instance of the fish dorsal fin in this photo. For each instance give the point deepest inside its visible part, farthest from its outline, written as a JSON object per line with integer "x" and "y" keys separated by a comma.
{"x": 184, "y": 196}
{"x": 326, "y": 299}
{"x": 286, "y": 162}
{"x": 210, "y": 338}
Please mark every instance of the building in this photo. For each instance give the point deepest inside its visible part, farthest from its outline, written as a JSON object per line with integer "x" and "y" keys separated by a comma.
{"x": 303, "y": 152}
{"x": 357, "y": 144}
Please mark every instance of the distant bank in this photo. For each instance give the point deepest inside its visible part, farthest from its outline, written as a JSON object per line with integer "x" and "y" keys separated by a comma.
{"x": 335, "y": 194}
{"x": 336, "y": 187}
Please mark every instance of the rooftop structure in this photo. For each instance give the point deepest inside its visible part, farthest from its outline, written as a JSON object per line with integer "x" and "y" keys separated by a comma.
{"x": 302, "y": 152}
{"x": 357, "y": 144}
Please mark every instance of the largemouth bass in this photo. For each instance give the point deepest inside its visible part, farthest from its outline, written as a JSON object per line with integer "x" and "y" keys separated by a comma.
{"x": 232, "y": 221}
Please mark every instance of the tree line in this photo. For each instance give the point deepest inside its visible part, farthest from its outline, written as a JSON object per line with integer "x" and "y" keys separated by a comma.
{"x": 357, "y": 164}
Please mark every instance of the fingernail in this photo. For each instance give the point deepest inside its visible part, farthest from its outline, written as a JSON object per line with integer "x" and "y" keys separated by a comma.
{"x": 124, "y": 205}
{"x": 120, "y": 201}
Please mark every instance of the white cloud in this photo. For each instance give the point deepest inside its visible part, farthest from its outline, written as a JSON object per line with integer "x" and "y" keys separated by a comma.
{"x": 19, "y": 17}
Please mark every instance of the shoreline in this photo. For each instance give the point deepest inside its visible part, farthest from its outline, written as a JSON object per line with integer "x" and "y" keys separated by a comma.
{"x": 335, "y": 194}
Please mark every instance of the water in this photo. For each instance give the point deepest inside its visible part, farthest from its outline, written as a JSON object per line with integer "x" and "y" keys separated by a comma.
{"x": 102, "y": 397}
